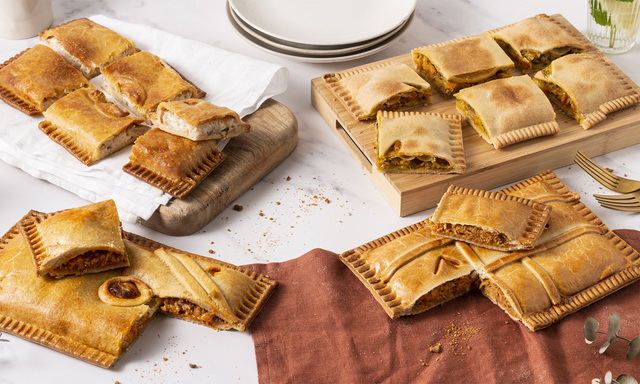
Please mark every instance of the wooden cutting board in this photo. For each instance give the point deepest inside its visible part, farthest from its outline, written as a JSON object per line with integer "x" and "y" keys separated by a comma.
{"x": 486, "y": 167}
{"x": 273, "y": 136}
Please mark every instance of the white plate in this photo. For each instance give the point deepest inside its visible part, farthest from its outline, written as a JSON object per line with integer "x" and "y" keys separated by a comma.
{"x": 304, "y": 51}
{"x": 314, "y": 59}
{"x": 324, "y": 22}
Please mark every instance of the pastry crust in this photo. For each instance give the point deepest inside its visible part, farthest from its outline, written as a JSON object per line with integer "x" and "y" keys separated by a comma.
{"x": 88, "y": 126}
{"x": 411, "y": 270}
{"x": 460, "y": 63}
{"x": 47, "y": 312}
{"x": 198, "y": 120}
{"x": 196, "y": 288}
{"x": 419, "y": 142}
{"x": 88, "y": 46}
{"x": 508, "y": 111}
{"x": 535, "y": 42}
{"x": 489, "y": 219}
{"x": 172, "y": 163}
{"x": 35, "y": 78}
{"x": 587, "y": 87}
{"x": 365, "y": 91}
{"x": 142, "y": 81}
{"x": 77, "y": 241}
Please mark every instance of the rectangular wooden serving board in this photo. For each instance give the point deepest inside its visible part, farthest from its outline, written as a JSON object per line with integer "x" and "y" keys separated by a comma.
{"x": 486, "y": 167}
{"x": 249, "y": 157}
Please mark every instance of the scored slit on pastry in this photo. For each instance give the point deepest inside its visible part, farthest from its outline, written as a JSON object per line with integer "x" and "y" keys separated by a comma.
{"x": 535, "y": 42}
{"x": 587, "y": 87}
{"x": 35, "y": 78}
{"x": 77, "y": 241}
{"x": 365, "y": 91}
{"x": 198, "y": 120}
{"x": 461, "y": 63}
{"x": 87, "y": 45}
{"x": 172, "y": 163}
{"x": 489, "y": 219}
{"x": 507, "y": 111}
{"x": 88, "y": 126}
{"x": 419, "y": 142}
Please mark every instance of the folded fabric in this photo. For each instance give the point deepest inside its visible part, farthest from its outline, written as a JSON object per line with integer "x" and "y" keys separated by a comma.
{"x": 323, "y": 326}
{"x": 230, "y": 79}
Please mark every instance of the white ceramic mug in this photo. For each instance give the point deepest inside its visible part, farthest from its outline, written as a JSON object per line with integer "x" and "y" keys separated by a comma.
{"x": 21, "y": 19}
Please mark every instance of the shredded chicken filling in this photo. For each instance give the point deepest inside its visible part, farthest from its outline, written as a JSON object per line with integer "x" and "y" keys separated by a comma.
{"x": 443, "y": 293}
{"x": 559, "y": 96}
{"x": 191, "y": 311}
{"x": 495, "y": 294}
{"x": 393, "y": 159}
{"x": 472, "y": 233}
{"x": 91, "y": 260}
{"x": 405, "y": 100}
{"x": 531, "y": 59}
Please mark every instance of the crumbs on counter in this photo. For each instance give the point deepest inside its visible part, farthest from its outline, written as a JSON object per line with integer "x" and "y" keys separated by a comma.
{"x": 194, "y": 366}
{"x": 436, "y": 348}
{"x": 238, "y": 207}
{"x": 288, "y": 178}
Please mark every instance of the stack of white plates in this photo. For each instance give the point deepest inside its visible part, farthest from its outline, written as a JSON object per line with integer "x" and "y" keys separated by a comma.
{"x": 321, "y": 31}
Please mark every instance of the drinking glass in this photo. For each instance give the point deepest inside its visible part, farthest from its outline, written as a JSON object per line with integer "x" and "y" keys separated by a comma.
{"x": 613, "y": 24}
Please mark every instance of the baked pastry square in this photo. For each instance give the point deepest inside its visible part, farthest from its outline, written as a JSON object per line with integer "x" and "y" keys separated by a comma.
{"x": 196, "y": 288}
{"x": 76, "y": 241}
{"x": 535, "y": 42}
{"x": 411, "y": 270}
{"x": 365, "y": 91}
{"x": 587, "y": 87}
{"x": 90, "y": 127}
{"x": 64, "y": 314}
{"x": 461, "y": 63}
{"x": 35, "y": 78}
{"x": 172, "y": 163}
{"x": 142, "y": 81}
{"x": 507, "y": 111}
{"x": 419, "y": 142}
{"x": 576, "y": 262}
{"x": 489, "y": 219}
{"x": 198, "y": 120}
{"x": 88, "y": 46}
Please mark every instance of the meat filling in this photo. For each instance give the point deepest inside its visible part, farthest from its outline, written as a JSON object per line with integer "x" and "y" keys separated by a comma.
{"x": 190, "y": 311}
{"x": 394, "y": 160}
{"x": 472, "y": 234}
{"x": 90, "y": 261}
{"x": 445, "y": 292}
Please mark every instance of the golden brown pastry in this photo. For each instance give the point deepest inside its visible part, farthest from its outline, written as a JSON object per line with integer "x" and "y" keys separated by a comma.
{"x": 461, "y": 63}
{"x": 198, "y": 120}
{"x": 88, "y": 46}
{"x": 90, "y": 127}
{"x": 587, "y": 87}
{"x": 535, "y": 42}
{"x": 33, "y": 79}
{"x": 142, "y": 81}
{"x": 67, "y": 314}
{"x": 364, "y": 92}
{"x": 507, "y": 111}
{"x": 77, "y": 241}
{"x": 419, "y": 142}
{"x": 172, "y": 163}
{"x": 411, "y": 270}
{"x": 489, "y": 219}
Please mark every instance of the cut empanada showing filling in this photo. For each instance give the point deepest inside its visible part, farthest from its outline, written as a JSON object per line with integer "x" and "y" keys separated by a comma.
{"x": 90, "y": 260}
{"x": 475, "y": 234}
{"x": 476, "y": 122}
{"x": 587, "y": 87}
{"x": 535, "y": 42}
{"x": 462, "y": 63}
{"x": 419, "y": 142}
{"x": 445, "y": 292}
{"x": 190, "y": 311}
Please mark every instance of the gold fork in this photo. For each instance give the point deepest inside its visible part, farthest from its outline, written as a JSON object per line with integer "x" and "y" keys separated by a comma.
{"x": 629, "y": 202}
{"x": 606, "y": 177}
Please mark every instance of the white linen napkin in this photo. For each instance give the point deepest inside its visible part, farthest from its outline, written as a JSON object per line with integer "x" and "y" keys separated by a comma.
{"x": 230, "y": 79}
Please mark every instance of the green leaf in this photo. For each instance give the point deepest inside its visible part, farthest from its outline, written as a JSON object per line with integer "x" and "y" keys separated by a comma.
{"x": 626, "y": 379}
{"x": 634, "y": 348}
{"x": 590, "y": 328}
{"x": 600, "y": 16}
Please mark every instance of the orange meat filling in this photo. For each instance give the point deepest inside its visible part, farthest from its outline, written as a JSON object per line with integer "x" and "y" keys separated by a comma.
{"x": 471, "y": 233}
{"x": 91, "y": 260}
{"x": 445, "y": 292}
{"x": 190, "y": 311}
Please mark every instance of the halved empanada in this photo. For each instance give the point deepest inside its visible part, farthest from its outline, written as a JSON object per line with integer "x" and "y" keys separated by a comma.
{"x": 587, "y": 87}
{"x": 508, "y": 111}
{"x": 420, "y": 142}
{"x": 366, "y": 91}
{"x": 461, "y": 63}
{"x": 535, "y": 42}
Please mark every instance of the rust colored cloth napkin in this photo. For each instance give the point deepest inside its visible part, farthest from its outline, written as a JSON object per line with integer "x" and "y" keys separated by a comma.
{"x": 322, "y": 326}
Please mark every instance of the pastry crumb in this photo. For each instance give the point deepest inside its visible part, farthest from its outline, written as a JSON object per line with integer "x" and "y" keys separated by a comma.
{"x": 436, "y": 348}
{"x": 238, "y": 207}
{"x": 288, "y": 178}
{"x": 165, "y": 358}
{"x": 194, "y": 366}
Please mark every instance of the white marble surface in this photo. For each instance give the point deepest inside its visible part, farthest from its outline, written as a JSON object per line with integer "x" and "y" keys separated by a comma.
{"x": 328, "y": 201}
